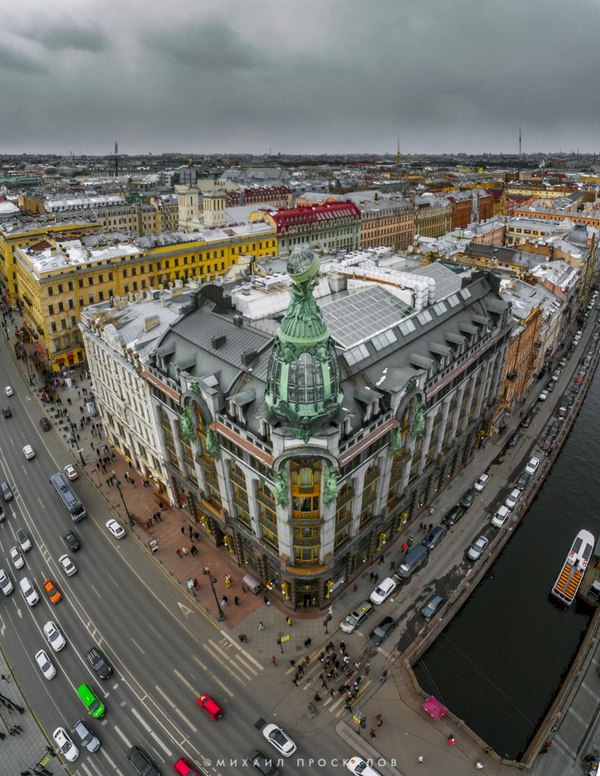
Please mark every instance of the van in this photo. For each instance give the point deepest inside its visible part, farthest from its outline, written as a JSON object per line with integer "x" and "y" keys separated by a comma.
{"x": 252, "y": 583}
{"x": 414, "y": 559}
{"x": 91, "y": 701}
{"x": 354, "y": 619}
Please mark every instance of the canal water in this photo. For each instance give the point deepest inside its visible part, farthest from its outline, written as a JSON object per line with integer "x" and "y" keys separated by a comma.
{"x": 500, "y": 662}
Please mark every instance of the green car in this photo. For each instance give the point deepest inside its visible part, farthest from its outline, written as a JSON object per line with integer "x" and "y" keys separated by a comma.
{"x": 91, "y": 701}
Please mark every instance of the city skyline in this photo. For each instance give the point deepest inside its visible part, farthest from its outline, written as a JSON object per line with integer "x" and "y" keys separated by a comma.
{"x": 311, "y": 79}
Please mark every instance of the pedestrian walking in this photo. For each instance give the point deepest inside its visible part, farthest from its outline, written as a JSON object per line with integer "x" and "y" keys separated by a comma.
{"x": 274, "y": 660}
{"x": 261, "y": 625}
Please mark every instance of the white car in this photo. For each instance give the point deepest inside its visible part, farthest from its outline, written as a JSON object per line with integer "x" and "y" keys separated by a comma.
{"x": 383, "y": 591}
{"x": 67, "y": 565}
{"x": 30, "y": 594}
{"x": 16, "y": 557}
{"x": 6, "y": 584}
{"x": 481, "y": 482}
{"x": 67, "y": 748}
{"x": 23, "y": 539}
{"x": 45, "y": 665}
{"x": 115, "y": 528}
{"x": 71, "y": 472}
{"x": 280, "y": 740}
{"x": 478, "y": 547}
{"x": 8, "y": 390}
{"x": 512, "y": 498}
{"x": 358, "y": 766}
{"x": 532, "y": 465}
{"x": 28, "y": 452}
{"x": 55, "y": 638}
{"x": 501, "y": 516}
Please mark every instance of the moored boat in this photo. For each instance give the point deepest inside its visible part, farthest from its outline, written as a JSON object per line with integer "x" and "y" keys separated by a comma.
{"x": 567, "y": 582}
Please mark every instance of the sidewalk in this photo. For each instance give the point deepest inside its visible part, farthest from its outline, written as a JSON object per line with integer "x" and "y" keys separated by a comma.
{"x": 26, "y": 746}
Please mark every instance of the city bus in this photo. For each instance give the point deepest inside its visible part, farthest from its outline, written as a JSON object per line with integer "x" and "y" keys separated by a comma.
{"x": 67, "y": 496}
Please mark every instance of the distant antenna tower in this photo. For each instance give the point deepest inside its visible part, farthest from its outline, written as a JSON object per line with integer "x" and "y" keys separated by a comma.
{"x": 116, "y": 159}
{"x": 519, "y": 141}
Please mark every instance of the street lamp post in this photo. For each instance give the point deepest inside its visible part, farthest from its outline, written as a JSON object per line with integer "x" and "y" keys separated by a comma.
{"x": 212, "y": 580}
{"x": 117, "y": 482}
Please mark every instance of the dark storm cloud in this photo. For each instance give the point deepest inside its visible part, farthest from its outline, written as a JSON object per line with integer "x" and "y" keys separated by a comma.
{"x": 71, "y": 36}
{"x": 10, "y": 59}
{"x": 211, "y": 46}
{"x": 342, "y": 75}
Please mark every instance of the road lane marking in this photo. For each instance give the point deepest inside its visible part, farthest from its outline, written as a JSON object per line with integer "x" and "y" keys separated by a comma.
{"x": 227, "y": 690}
{"x": 122, "y": 735}
{"x": 162, "y": 746}
{"x": 232, "y": 664}
{"x": 240, "y": 650}
{"x": 140, "y": 719}
{"x": 185, "y": 719}
{"x": 200, "y": 663}
{"x": 182, "y": 678}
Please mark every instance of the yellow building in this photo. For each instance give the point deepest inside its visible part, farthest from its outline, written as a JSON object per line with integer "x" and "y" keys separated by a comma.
{"x": 56, "y": 278}
{"x": 28, "y": 231}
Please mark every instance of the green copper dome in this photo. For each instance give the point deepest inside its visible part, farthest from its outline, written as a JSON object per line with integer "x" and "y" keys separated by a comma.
{"x": 303, "y": 383}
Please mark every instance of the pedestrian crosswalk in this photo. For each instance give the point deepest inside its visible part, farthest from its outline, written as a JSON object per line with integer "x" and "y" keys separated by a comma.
{"x": 332, "y": 700}
{"x": 234, "y": 660}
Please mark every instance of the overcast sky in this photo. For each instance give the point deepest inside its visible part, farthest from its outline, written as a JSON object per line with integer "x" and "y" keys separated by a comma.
{"x": 314, "y": 76}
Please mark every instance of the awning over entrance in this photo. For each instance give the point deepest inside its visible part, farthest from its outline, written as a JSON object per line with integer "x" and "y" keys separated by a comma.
{"x": 433, "y": 707}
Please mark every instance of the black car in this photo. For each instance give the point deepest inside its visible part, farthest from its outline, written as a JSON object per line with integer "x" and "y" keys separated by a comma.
{"x": 526, "y": 422}
{"x": 262, "y": 764}
{"x": 71, "y": 540}
{"x": 380, "y": 633}
{"x": 99, "y": 663}
{"x": 141, "y": 762}
{"x": 468, "y": 498}
{"x": 454, "y": 515}
{"x": 45, "y": 424}
{"x": 514, "y": 440}
{"x": 7, "y": 412}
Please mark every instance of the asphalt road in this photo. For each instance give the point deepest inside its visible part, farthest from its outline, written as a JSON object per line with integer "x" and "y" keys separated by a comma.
{"x": 164, "y": 651}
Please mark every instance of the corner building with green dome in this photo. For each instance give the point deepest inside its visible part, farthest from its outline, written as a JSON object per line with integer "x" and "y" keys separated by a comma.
{"x": 306, "y": 439}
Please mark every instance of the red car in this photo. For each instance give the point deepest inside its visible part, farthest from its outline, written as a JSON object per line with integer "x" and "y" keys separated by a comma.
{"x": 210, "y": 706}
{"x": 185, "y": 769}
